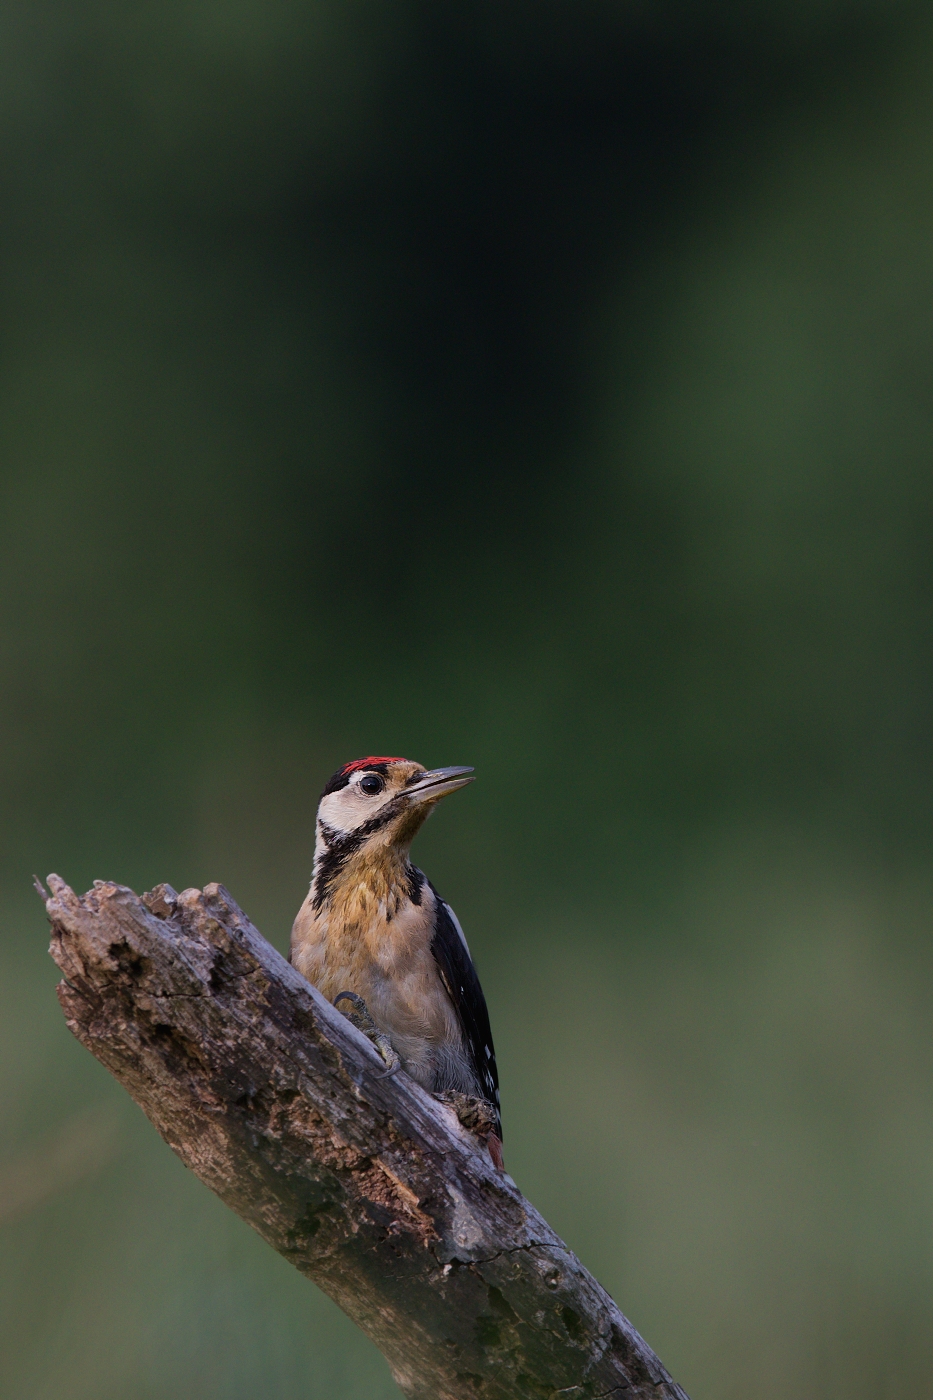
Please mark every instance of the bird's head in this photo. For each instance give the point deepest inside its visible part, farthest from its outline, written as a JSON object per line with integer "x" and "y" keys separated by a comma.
{"x": 380, "y": 802}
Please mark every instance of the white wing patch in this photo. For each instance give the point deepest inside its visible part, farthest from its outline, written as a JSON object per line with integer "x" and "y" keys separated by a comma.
{"x": 456, "y": 923}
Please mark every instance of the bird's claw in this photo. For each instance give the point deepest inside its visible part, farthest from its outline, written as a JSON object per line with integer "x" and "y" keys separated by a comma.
{"x": 359, "y": 1016}
{"x": 477, "y": 1115}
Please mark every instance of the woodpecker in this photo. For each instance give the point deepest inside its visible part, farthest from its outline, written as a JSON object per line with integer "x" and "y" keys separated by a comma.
{"x": 373, "y": 932}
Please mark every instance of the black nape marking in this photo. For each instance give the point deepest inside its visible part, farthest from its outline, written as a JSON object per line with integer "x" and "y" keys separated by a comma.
{"x": 326, "y": 869}
{"x": 415, "y": 881}
{"x": 329, "y": 834}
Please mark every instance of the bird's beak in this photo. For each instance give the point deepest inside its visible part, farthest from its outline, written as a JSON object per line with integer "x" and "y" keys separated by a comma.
{"x": 437, "y": 783}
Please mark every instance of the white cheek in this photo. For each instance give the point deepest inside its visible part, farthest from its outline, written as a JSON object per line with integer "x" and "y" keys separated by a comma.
{"x": 341, "y": 811}
{"x": 347, "y": 809}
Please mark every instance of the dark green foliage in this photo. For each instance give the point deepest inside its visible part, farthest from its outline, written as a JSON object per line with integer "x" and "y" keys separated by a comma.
{"x": 546, "y": 388}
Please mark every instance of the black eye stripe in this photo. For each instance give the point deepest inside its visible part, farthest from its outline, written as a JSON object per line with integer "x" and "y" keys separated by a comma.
{"x": 341, "y": 778}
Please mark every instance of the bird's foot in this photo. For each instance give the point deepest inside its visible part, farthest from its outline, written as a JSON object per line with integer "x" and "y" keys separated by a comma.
{"x": 479, "y": 1117}
{"x": 359, "y": 1016}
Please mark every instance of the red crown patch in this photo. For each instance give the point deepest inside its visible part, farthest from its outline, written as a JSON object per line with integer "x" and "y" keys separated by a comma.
{"x": 368, "y": 762}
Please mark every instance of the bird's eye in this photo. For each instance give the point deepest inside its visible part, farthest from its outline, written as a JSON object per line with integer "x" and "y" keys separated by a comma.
{"x": 371, "y": 784}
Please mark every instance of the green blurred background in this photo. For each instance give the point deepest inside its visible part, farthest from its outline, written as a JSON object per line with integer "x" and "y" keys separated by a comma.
{"x": 546, "y": 387}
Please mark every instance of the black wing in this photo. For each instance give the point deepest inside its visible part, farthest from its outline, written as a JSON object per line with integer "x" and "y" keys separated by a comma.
{"x": 460, "y": 979}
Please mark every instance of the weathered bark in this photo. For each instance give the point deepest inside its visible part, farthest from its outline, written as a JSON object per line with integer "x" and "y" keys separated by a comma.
{"x": 365, "y": 1183}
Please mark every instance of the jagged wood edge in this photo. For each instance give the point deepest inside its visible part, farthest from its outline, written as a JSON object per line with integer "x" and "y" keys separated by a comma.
{"x": 365, "y": 1183}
